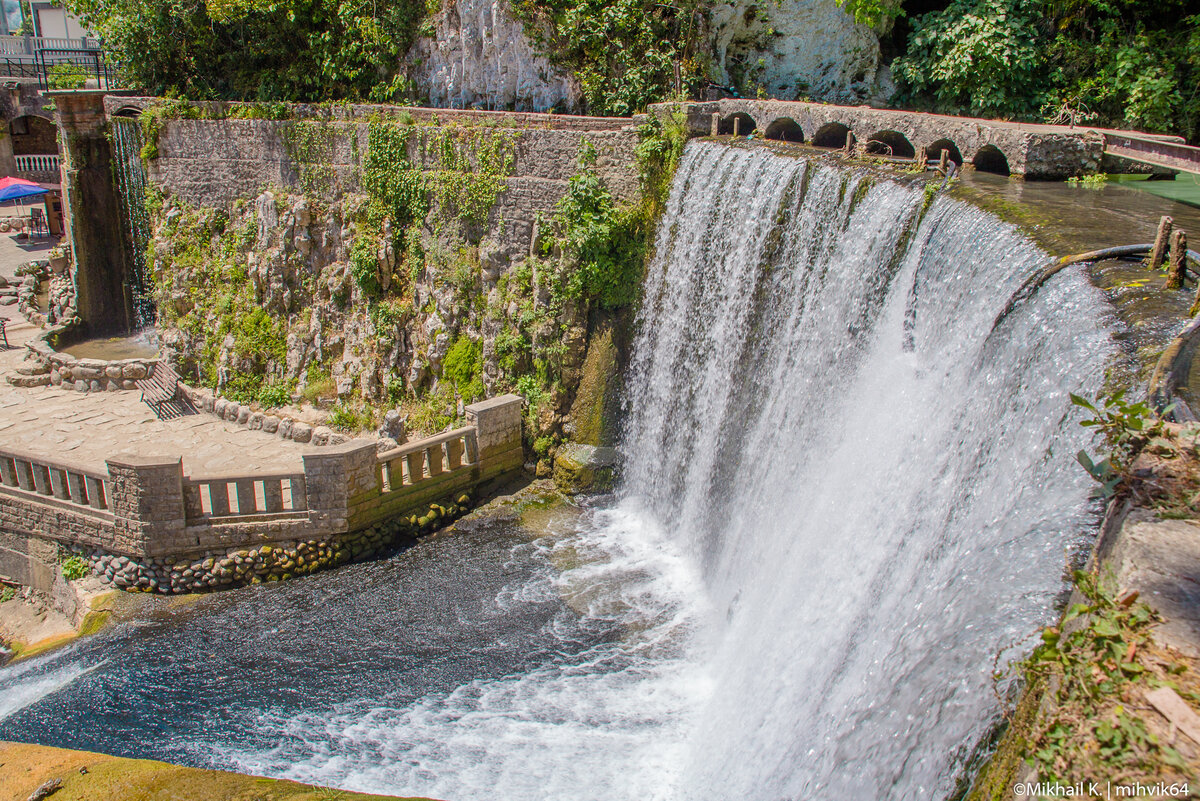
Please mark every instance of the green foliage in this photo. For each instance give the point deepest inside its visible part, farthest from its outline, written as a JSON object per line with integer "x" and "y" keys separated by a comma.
{"x": 364, "y": 266}
{"x": 978, "y": 56}
{"x": 7, "y": 594}
{"x": 274, "y": 394}
{"x": 350, "y": 418}
{"x": 602, "y": 242}
{"x": 1093, "y": 660}
{"x": 462, "y": 367}
{"x": 1117, "y": 63}
{"x": 68, "y": 76}
{"x": 872, "y": 12}
{"x": 1124, "y": 427}
{"x": 1093, "y": 181}
{"x": 659, "y": 148}
{"x": 624, "y": 53}
{"x": 258, "y": 49}
{"x": 74, "y": 567}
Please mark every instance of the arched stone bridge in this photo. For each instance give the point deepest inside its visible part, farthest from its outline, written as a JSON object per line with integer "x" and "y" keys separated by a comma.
{"x": 1032, "y": 151}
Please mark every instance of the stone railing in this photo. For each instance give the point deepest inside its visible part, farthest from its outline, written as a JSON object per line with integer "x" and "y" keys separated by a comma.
{"x": 147, "y": 524}
{"x": 66, "y": 483}
{"x": 38, "y": 164}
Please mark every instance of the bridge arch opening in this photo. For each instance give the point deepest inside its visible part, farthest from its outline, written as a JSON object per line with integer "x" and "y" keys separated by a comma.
{"x": 128, "y": 111}
{"x": 891, "y": 143}
{"x": 831, "y": 134}
{"x": 990, "y": 159}
{"x": 934, "y": 151}
{"x": 740, "y": 124}
{"x": 33, "y": 136}
{"x": 785, "y": 129}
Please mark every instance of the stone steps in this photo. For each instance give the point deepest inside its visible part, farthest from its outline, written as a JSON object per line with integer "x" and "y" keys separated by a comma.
{"x": 28, "y": 381}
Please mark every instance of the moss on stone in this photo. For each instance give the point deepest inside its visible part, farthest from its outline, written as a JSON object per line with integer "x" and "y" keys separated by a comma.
{"x": 24, "y": 768}
{"x": 594, "y": 409}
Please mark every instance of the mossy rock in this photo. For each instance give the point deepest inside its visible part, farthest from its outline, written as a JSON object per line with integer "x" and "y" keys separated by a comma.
{"x": 24, "y": 768}
{"x": 585, "y": 468}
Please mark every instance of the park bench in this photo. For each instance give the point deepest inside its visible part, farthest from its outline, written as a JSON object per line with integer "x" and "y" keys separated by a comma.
{"x": 160, "y": 391}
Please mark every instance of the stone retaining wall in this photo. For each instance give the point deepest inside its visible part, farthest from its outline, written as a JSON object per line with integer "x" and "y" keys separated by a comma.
{"x": 144, "y": 525}
{"x": 81, "y": 375}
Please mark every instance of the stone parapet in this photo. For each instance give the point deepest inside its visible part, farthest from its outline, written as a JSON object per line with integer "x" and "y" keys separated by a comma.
{"x": 145, "y": 524}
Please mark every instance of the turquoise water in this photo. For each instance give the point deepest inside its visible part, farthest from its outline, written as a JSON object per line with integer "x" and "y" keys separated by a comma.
{"x": 1185, "y": 188}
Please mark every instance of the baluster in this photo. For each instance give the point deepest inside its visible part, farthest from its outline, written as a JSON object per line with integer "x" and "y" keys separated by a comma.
{"x": 95, "y": 492}
{"x": 41, "y": 478}
{"x": 393, "y": 470}
{"x": 454, "y": 453}
{"x": 24, "y": 474}
{"x": 273, "y": 494}
{"x": 416, "y": 466}
{"x": 435, "y": 459}
{"x": 218, "y": 498}
{"x": 8, "y": 472}
{"x": 58, "y": 483}
{"x": 472, "y": 447}
{"x": 77, "y": 489}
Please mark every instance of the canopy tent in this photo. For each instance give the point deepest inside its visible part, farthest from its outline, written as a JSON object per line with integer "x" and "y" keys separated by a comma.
{"x": 14, "y": 188}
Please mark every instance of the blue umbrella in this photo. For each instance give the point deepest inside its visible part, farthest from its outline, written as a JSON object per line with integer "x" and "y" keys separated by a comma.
{"x": 14, "y": 188}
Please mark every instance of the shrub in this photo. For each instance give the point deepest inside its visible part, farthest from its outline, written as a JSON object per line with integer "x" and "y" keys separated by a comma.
{"x": 75, "y": 567}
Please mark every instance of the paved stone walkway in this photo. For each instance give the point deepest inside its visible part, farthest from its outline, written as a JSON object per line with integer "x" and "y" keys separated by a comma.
{"x": 86, "y": 429}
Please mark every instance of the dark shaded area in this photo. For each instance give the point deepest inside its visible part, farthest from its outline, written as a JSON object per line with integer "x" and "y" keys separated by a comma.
{"x": 934, "y": 151}
{"x": 891, "y": 143}
{"x": 737, "y": 125}
{"x": 831, "y": 134}
{"x": 785, "y": 129}
{"x": 990, "y": 159}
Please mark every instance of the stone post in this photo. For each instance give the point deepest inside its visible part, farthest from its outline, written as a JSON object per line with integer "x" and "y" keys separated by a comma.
{"x": 91, "y": 210}
{"x": 146, "y": 501}
{"x": 497, "y": 423}
{"x": 341, "y": 482}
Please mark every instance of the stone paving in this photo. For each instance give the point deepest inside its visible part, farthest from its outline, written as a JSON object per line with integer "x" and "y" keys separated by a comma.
{"x": 86, "y": 429}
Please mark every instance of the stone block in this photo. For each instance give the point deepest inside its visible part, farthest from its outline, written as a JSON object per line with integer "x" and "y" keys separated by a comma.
{"x": 301, "y": 432}
{"x": 585, "y": 468}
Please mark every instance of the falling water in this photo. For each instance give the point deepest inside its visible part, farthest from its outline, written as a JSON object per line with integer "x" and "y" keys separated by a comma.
{"x": 879, "y": 495}
{"x": 131, "y": 185}
{"x": 845, "y": 495}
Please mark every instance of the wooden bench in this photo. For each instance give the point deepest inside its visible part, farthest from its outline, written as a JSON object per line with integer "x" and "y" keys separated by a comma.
{"x": 160, "y": 387}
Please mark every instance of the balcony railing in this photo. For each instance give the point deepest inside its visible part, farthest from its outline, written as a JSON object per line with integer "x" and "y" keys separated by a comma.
{"x": 38, "y": 164}
{"x": 29, "y": 45}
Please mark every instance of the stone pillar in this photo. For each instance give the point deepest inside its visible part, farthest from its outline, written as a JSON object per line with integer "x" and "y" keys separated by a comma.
{"x": 341, "y": 482}
{"x": 92, "y": 212}
{"x": 497, "y": 423}
{"x": 146, "y": 501}
{"x": 8, "y": 161}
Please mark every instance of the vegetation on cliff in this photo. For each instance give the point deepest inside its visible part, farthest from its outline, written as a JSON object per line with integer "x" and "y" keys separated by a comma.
{"x": 1119, "y": 63}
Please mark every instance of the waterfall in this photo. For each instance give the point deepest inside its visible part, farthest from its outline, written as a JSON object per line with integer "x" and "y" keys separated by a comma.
{"x": 846, "y": 499}
{"x": 878, "y": 494}
{"x": 130, "y": 174}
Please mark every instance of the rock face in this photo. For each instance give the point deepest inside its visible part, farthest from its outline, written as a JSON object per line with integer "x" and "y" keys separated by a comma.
{"x": 798, "y": 49}
{"x": 585, "y": 468}
{"x": 481, "y": 58}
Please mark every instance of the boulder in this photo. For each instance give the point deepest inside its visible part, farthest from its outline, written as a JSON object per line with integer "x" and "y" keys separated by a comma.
{"x": 585, "y": 468}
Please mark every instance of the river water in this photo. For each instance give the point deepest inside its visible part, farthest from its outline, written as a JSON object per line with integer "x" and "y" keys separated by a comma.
{"x": 847, "y": 497}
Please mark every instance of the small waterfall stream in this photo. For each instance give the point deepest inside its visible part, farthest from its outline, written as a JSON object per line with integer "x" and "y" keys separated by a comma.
{"x": 131, "y": 185}
{"x": 844, "y": 495}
